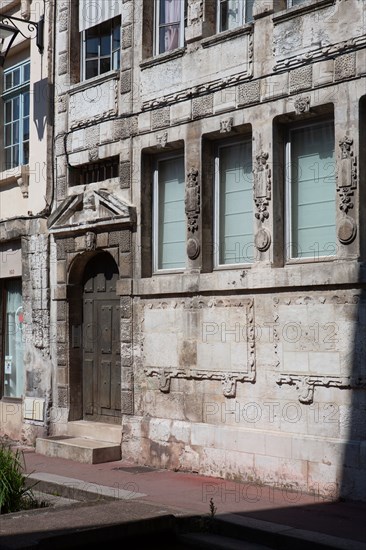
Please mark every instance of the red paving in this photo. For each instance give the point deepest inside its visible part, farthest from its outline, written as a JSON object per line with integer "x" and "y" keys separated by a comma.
{"x": 191, "y": 493}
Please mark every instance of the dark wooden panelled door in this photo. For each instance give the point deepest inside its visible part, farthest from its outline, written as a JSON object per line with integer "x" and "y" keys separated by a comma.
{"x": 101, "y": 341}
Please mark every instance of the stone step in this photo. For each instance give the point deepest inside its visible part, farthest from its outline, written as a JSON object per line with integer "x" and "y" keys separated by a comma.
{"x": 79, "y": 449}
{"x": 95, "y": 430}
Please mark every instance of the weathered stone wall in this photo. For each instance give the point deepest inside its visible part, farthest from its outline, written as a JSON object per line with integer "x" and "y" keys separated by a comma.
{"x": 254, "y": 373}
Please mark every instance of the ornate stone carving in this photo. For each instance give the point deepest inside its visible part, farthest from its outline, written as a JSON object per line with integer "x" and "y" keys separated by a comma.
{"x": 93, "y": 154}
{"x": 193, "y": 249}
{"x": 304, "y": 335}
{"x": 162, "y": 139}
{"x": 249, "y": 93}
{"x": 193, "y": 200}
{"x": 90, "y": 241}
{"x": 345, "y": 66}
{"x": 262, "y": 240}
{"x": 202, "y": 106}
{"x": 229, "y": 379}
{"x": 347, "y": 174}
{"x": 302, "y": 105}
{"x": 306, "y": 384}
{"x": 226, "y": 125}
{"x": 262, "y": 186}
{"x": 301, "y": 79}
{"x": 347, "y": 230}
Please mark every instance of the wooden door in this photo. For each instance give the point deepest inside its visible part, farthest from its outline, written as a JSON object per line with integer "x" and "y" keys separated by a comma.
{"x": 101, "y": 341}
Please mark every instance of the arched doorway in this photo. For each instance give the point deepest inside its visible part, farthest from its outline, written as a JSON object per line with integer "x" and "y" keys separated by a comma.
{"x": 101, "y": 362}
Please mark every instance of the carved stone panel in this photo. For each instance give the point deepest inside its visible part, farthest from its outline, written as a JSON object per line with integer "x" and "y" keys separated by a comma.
{"x": 193, "y": 200}
{"x": 347, "y": 174}
{"x": 262, "y": 186}
{"x": 202, "y": 338}
{"x": 314, "y": 342}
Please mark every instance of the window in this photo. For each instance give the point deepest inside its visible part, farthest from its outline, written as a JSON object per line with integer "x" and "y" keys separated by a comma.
{"x": 169, "y": 215}
{"x": 291, "y": 3}
{"x": 234, "y": 204}
{"x": 101, "y": 48}
{"x": 169, "y": 25}
{"x": 311, "y": 190}
{"x": 16, "y": 115}
{"x": 233, "y": 13}
{"x": 95, "y": 171}
{"x": 11, "y": 321}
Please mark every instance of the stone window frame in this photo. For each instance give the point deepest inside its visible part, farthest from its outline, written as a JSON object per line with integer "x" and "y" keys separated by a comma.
{"x": 239, "y": 139}
{"x": 306, "y": 123}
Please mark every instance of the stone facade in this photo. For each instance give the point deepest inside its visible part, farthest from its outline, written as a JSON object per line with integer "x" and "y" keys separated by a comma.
{"x": 25, "y": 203}
{"x": 248, "y": 370}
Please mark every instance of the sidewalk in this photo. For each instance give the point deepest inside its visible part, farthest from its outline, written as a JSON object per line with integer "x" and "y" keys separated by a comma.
{"x": 144, "y": 493}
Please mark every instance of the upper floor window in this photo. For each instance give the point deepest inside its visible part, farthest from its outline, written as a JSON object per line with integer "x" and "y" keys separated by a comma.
{"x": 95, "y": 171}
{"x": 233, "y": 13}
{"x": 16, "y": 114}
{"x": 169, "y": 25}
{"x": 291, "y": 3}
{"x": 311, "y": 208}
{"x": 101, "y": 48}
{"x": 234, "y": 204}
{"x": 169, "y": 218}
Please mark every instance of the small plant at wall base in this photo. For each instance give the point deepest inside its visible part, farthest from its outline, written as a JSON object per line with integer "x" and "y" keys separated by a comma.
{"x": 14, "y": 494}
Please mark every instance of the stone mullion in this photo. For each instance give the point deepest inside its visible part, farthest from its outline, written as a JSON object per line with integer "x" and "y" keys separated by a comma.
{"x": 346, "y": 171}
{"x": 193, "y": 207}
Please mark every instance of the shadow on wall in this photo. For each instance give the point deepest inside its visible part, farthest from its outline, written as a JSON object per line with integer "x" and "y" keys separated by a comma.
{"x": 42, "y": 98}
{"x": 353, "y": 479}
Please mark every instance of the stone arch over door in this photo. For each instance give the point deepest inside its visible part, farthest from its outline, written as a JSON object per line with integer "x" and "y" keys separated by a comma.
{"x": 94, "y": 325}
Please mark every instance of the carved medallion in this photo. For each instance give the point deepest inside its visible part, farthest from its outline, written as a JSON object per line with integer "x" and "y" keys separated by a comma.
{"x": 262, "y": 240}
{"x": 193, "y": 249}
{"x": 346, "y": 230}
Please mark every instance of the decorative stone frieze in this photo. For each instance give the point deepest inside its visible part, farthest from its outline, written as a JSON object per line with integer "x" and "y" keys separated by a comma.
{"x": 305, "y": 385}
{"x": 202, "y": 106}
{"x": 262, "y": 186}
{"x": 160, "y": 118}
{"x": 345, "y": 66}
{"x": 249, "y": 93}
{"x": 309, "y": 327}
{"x": 301, "y": 79}
{"x": 193, "y": 200}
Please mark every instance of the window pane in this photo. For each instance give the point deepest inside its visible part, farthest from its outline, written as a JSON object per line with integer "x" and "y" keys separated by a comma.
{"x": 235, "y": 204}
{"x": 116, "y": 37}
{"x": 8, "y": 81}
{"x": 91, "y": 68}
{"x": 26, "y": 104}
{"x": 26, "y": 129}
{"x": 249, "y": 10}
{"x": 14, "y": 369}
{"x": 230, "y": 14}
{"x": 8, "y": 158}
{"x": 8, "y": 134}
{"x": 15, "y": 161}
{"x": 105, "y": 65}
{"x": 26, "y": 73}
{"x": 16, "y": 108}
{"x": 91, "y": 47}
{"x": 25, "y": 152}
{"x": 15, "y": 133}
{"x": 171, "y": 217}
{"x": 16, "y": 77}
{"x": 8, "y": 111}
{"x": 313, "y": 231}
{"x": 105, "y": 45}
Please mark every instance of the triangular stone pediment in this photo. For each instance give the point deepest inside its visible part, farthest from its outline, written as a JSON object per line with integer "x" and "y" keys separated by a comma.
{"x": 91, "y": 209}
